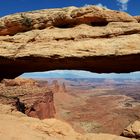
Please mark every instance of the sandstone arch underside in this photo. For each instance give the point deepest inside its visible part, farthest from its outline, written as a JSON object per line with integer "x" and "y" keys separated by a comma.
{"x": 88, "y": 38}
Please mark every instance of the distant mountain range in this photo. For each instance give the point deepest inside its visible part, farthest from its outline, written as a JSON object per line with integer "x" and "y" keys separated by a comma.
{"x": 80, "y": 74}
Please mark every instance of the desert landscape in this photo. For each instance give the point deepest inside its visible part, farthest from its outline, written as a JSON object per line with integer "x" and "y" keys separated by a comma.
{"x": 89, "y": 105}
{"x": 100, "y": 105}
{"x": 92, "y": 38}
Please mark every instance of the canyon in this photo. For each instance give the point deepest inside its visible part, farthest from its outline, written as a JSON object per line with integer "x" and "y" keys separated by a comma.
{"x": 88, "y": 105}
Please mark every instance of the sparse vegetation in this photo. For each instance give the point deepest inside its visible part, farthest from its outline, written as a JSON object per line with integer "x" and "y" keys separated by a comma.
{"x": 26, "y": 21}
{"x": 89, "y": 126}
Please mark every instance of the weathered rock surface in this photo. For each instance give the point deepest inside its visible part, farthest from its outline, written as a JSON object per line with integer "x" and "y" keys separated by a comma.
{"x": 19, "y": 82}
{"x": 42, "y": 107}
{"x": 28, "y": 98}
{"x": 133, "y": 130}
{"x": 137, "y": 18}
{"x": 87, "y": 38}
{"x": 50, "y": 129}
{"x": 66, "y": 17}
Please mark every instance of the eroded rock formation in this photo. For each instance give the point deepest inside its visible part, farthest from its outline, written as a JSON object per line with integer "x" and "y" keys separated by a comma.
{"x": 55, "y": 86}
{"x": 62, "y": 18}
{"x": 42, "y": 107}
{"x": 133, "y": 130}
{"x": 28, "y": 128}
{"x": 28, "y": 98}
{"x": 19, "y": 82}
{"x": 87, "y": 38}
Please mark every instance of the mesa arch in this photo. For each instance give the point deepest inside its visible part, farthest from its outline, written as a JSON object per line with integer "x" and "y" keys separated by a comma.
{"x": 88, "y": 38}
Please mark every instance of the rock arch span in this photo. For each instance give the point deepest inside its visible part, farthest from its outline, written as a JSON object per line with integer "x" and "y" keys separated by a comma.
{"x": 88, "y": 38}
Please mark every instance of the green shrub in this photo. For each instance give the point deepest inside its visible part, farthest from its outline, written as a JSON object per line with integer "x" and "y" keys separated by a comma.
{"x": 26, "y": 21}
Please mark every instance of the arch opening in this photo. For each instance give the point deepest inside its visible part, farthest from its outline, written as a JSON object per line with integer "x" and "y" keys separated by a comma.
{"x": 81, "y": 74}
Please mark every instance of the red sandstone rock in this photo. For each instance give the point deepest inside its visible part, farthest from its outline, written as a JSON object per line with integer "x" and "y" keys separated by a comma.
{"x": 55, "y": 86}
{"x": 19, "y": 82}
{"x": 43, "y": 107}
{"x": 27, "y": 97}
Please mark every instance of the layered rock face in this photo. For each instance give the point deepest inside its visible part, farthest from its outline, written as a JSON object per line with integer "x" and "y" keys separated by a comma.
{"x": 19, "y": 82}
{"x": 42, "y": 107}
{"x": 87, "y": 38}
{"x": 28, "y": 98}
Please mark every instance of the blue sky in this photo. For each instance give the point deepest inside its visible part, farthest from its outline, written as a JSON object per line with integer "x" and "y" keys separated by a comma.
{"x": 13, "y": 6}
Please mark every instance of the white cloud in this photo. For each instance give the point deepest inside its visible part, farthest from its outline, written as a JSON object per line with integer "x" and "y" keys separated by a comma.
{"x": 101, "y": 5}
{"x": 123, "y": 4}
{"x": 123, "y": 1}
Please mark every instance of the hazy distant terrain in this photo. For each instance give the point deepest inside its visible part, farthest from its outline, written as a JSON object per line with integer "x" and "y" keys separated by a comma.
{"x": 80, "y": 74}
{"x": 99, "y": 105}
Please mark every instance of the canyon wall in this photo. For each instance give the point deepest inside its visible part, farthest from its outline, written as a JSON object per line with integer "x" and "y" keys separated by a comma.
{"x": 28, "y": 98}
